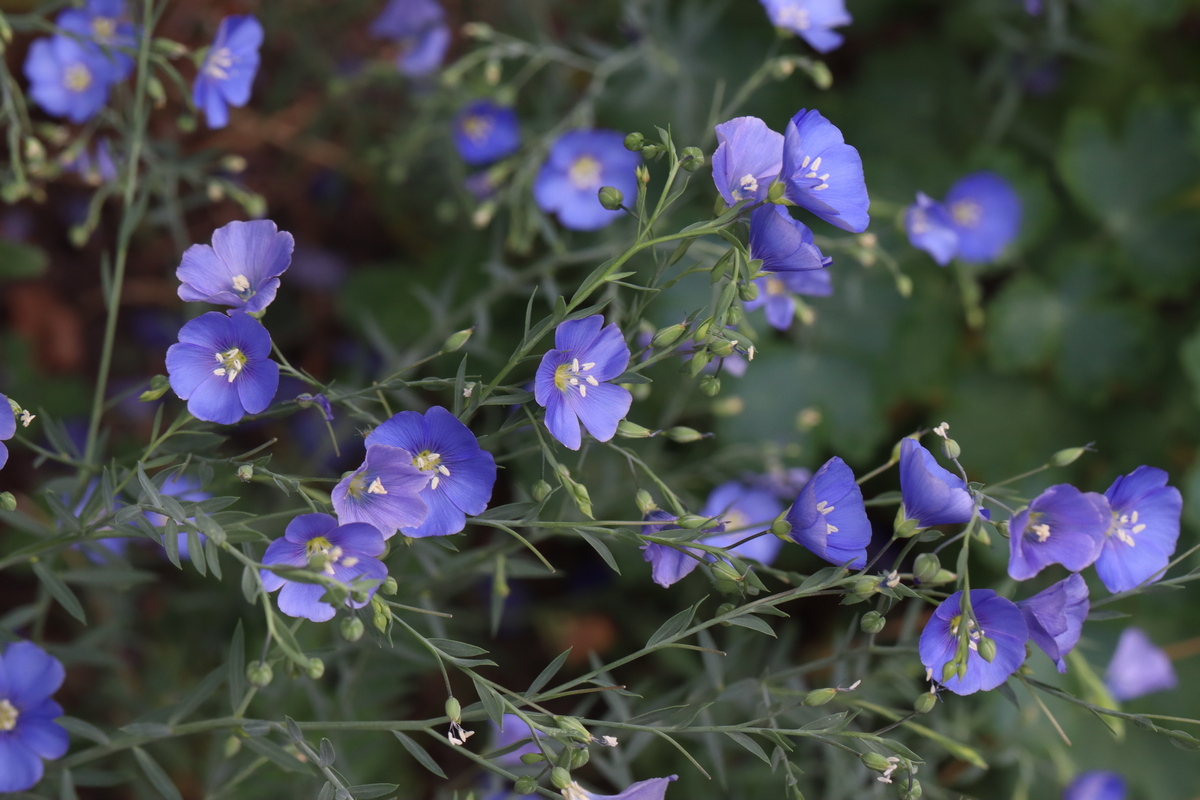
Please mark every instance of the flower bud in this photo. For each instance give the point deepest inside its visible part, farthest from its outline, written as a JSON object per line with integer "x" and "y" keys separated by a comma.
{"x": 669, "y": 335}
{"x": 819, "y": 697}
{"x": 645, "y": 502}
{"x": 532, "y": 758}
{"x": 611, "y": 197}
{"x": 579, "y": 757}
{"x": 734, "y": 315}
{"x": 259, "y": 673}
{"x": 698, "y": 363}
{"x": 782, "y": 528}
{"x": 864, "y": 587}
{"x": 232, "y": 745}
{"x": 908, "y": 791}
{"x": 316, "y": 668}
{"x": 949, "y": 670}
{"x": 541, "y": 490}
{"x": 389, "y": 586}
{"x": 643, "y": 174}
{"x": 775, "y": 192}
{"x": 457, "y": 340}
{"x": 1068, "y": 456}
{"x": 710, "y": 385}
{"x": 634, "y": 141}
{"x": 631, "y": 430}
{"x": 904, "y": 286}
{"x": 691, "y": 521}
{"x": 572, "y": 724}
{"x": 872, "y": 622}
{"x": 693, "y": 158}
{"x": 987, "y": 649}
{"x": 926, "y": 567}
{"x": 483, "y": 32}
{"x": 453, "y": 709}
{"x": 560, "y": 777}
{"x": 924, "y": 703}
{"x": 875, "y": 762}
{"x": 951, "y": 449}
{"x": 725, "y": 608}
{"x": 725, "y": 570}
{"x": 352, "y": 629}
{"x": 7, "y": 501}
{"x": 943, "y": 576}
{"x": 583, "y": 501}
{"x": 380, "y": 621}
{"x": 526, "y": 784}
{"x": 245, "y": 472}
{"x": 748, "y": 292}
{"x": 722, "y": 348}
{"x": 684, "y": 435}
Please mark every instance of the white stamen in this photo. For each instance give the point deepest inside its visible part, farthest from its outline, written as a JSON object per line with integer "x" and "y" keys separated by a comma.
{"x": 941, "y": 430}
{"x": 575, "y": 792}
{"x": 240, "y": 283}
{"x": 27, "y": 418}
{"x": 804, "y": 163}
{"x": 349, "y": 561}
{"x": 8, "y": 716}
{"x": 608, "y": 741}
{"x": 376, "y": 487}
{"x": 893, "y": 580}
{"x": 458, "y": 735}
{"x": 218, "y": 63}
{"x": 1041, "y": 531}
{"x": 433, "y": 484}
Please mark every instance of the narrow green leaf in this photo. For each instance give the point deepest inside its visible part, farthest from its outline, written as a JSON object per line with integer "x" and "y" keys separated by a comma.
{"x": 83, "y": 729}
{"x": 152, "y": 494}
{"x": 148, "y": 730}
{"x": 276, "y": 754}
{"x": 456, "y": 649}
{"x": 601, "y": 548}
{"x": 156, "y": 775}
{"x": 753, "y": 623}
{"x": 327, "y": 755}
{"x": 367, "y": 791}
{"x": 66, "y": 787}
{"x": 213, "y": 556}
{"x": 546, "y": 674}
{"x": 59, "y": 591}
{"x": 196, "y": 551}
{"x": 748, "y": 743}
{"x": 199, "y": 693}
{"x": 491, "y": 701}
{"x": 672, "y": 627}
{"x": 419, "y": 753}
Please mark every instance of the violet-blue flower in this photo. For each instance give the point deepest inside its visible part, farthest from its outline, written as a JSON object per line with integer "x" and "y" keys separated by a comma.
{"x": 419, "y": 27}
{"x": 485, "y": 131}
{"x": 228, "y": 70}
{"x": 94, "y": 165}
{"x": 668, "y": 564}
{"x": 996, "y": 618}
{"x": 985, "y": 211}
{"x": 28, "y": 732}
{"x": 812, "y": 20}
{"x": 240, "y": 269}
{"x": 461, "y": 472}
{"x": 1061, "y": 526}
{"x": 1138, "y": 667}
{"x": 384, "y": 492}
{"x": 68, "y": 78}
{"x": 1096, "y": 784}
{"x": 829, "y": 518}
{"x": 578, "y": 164}
{"x": 932, "y": 495}
{"x": 1143, "y": 530}
{"x": 343, "y": 552}
{"x": 221, "y": 366}
{"x": 181, "y": 487}
{"x": 653, "y": 789}
{"x": 571, "y": 382}
{"x": 8, "y": 427}
{"x": 749, "y": 156}
{"x": 777, "y": 292}
{"x": 1055, "y": 617}
{"x": 929, "y": 227}
{"x": 785, "y": 244}
{"x": 744, "y": 511}
{"x": 822, "y": 173}
{"x": 107, "y": 23}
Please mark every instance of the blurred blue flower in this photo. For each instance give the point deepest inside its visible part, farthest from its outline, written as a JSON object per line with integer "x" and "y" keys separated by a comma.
{"x": 228, "y": 70}
{"x": 929, "y": 228}
{"x": 811, "y": 20}
{"x": 829, "y": 518}
{"x": 1055, "y": 617}
{"x": 1143, "y": 531}
{"x": 384, "y": 492}
{"x": 653, "y": 789}
{"x": 240, "y": 269}
{"x": 186, "y": 488}
{"x": 744, "y": 511}
{"x": 514, "y": 730}
{"x": 1034, "y": 8}
{"x": 776, "y": 293}
{"x": 95, "y": 167}
{"x": 571, "y": 381}
{"x": 419, "y": 27}
{"x": 784, "y": 483}
{"x": 320, "y": 401}
{"x": 68, "y": 78}
{"x": 749, "y": 156}
{"x": 462, "y": 474}
{"x": 668, "y": 564}
{"x": 8, "y": 427}
{"x": 985, "y": 211}
{"x": 485, "y": 131}
{"x": 1096, "y": 785}
{"x": 28, "y": 733}
{"x": 824, "y": 174}
{"x": 1061, "y": 526}
{"x": 932, "y": 495}
{"x": 344, "y": 552}
{"x": 222, "y": 367}
{"x": 998, "y": 619}
{"x": 578, "y": 164}
{"x": 785, "y": 244}
{"x": 1138, "y": 667}
{"x": 107, "y": 23}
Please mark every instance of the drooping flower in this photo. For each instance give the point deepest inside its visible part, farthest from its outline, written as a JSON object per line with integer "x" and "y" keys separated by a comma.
{"x": 985, "y": 211}
{"x": 653, "y": 789}
{"x": 996, "y": 618}
{"x": 829, "y": 518}
{"x": 1143, "y": 530}
{"x": 105, "y": 22}
{"x": 578, "y": 164}
{"x": 744, "y": 511}
{"x": 1096, "y": 785}
{"x": 8, "y": 427}
{"x": 812, "y": 20}
{"x": 514, "y": 729}
{"x": 221, "y": 366}
{"x": 1061, "y": 526}
{"x": 571, "y": 381}
{"x": 932, "y": 495}
{"x": 929, "y": 228}
{"x": 485, "y": 131}
{"x": 785, "y": 244}
{"x": 1138, "y": 667}
{"x": 28, "y": 733}
{"x": 384, "y": 492}
{"x": 749, "y": 156}
{"x": 240, "y": 269}
{"x": 343, "y": 552}
{"x": 824, "y": 174}
{"x": 1055, "y": 617}
{"x": 777, "y": 291}
{"x": 420, "y": 29}
{"x": 461, "y": 472}
{"x": 68, "y": 78}
{"x": 228, "y": 70}
{"x": 668, "y": 564}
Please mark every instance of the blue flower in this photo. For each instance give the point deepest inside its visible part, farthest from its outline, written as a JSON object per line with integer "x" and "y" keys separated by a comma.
{"x": 461, "y": 472}
{"x": 996, "y": 618}
{"x": 485, "y": 131}
{"x": 95, "y": 167}
{"x": 8, "y": 427}
{"x": 419, "y": 27}
{"x": 222, "y": 367}
{"x": 578, "y": 164}
{"x": 228, "y": 70}
{"x": 343, "y": 552}
{"x": 749, "y": 156}
{"x": 181, "y": 487}
{"x": 1061, "y": 526}
{"x": 744, "y": 511}
{"x": 1143, "y": 531}
{"x": 1096, "y": 785}
{"x": 785, "y": 244}
{"x": 570, "y": 382}
{"x": 930, "y": 228}
{"x": 810, "y": 19}
{"x": 28, "y": 733}
{"x": 105, "y": 22}
{"x": 824, "y": 174}
{"x": 1055, "y": 617}
{"x": 931, "y": 494}
{"x": 241, "y": 269}
{"x": 776, "y": 293}
{"x": 513, "y": 730}
{"x": 668, "y": 564}
{"x": 68, "y": 78}
{"x": 1138, "y": 667}
{"x": 829, "y": 518}
{"x": 985, "y": 211}
{"x": 319, "y": 400}
{"x": 653, "y": 789}
{"x": 384, "y": 492}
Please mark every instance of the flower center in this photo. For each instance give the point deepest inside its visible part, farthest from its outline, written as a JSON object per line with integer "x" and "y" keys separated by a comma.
{"x": 218, "y": 63}
{"x": 813, "y": 165}
{"x": 77, "y": 78}
{"x": 1039, "y": 529}
{"x": 793, "y": 16}
{"x": 1125, "y": 527}
{"x": 775, "y": 286}
{"x": 966, "y": 213}
{"x": 8, "y": 716}
{"x": 746, "y": 187}
{"x": 324, "y": 555}
{"x": 974, "y": 634}
{"x": 103, "y": 28}
{"x": 432, "y": 462}
{"x": 825, "y": 508}
{"x": 477, "y": 128}
{"x": 585, "y": 173}
{"x": 241, "y": 285}
{"x": 575, "y": 792}
{"x": 232, "y": 362}
{"x": 568, "y": 375}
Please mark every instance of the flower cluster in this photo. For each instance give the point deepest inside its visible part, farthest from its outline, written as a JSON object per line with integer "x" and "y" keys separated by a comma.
{"x": 979, "y": 218}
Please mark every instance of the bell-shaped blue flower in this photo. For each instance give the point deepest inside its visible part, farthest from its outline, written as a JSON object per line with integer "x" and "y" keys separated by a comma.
{"x": 777, "y": 293}
{"x": 749, "y": 156}
{"x": 28, "y": 732}
{"x": 668, "y": 564}
{"x": 932, "y": 495}
{"x": 812, "y": 20}
{"x": 653, "y": 789}
{"x": 829, "y": 518}
{"x": 228, "y": 70}
{"x": 1055, "y": 617}
{"x": 240, "y": 269}
{"x": 929, "y": 228}
{"x": 785, "y": 244}
{"x": 461, "y": 472}
{"x": 222, "y": 367}
{"x": 571, "y": 382}
{"x": 744, "y": 511}
{"x": 996, "y": 618}
{"x": 985, "y": 211}
{"x": 343, "y": 552}
{"x": 1061, "y": 526}
{"x": 1096, "y": 784}
{"x": 8, "y": 428}
{"x": 824, "y": 174}
{"x": 578, "y": 164}
{"x": 1143, "y": 531}
{"x": 485, "y": 131}
{"x": 1138, "y": 667}
{"x": 107, "y": 23}
{"x": 69, "y": 78}
{"x": 384, "y": 492}
{"x": 419, "y": 28}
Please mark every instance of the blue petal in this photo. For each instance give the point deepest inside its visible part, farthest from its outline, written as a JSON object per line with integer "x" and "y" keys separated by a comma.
{"x": 406, "y": 429}
{"x": 784, "y": 244}
{"x": 257, "y": 384}
{"x": 985, "y": 211}
{"x": 1073, "y": 534}
{"x": 282, "y": 552}
{"x": 653, "y": 789}
{"x": 304, "y": 600}
{"x": 1055, "y": 617}
{"x": 999, "y": 619}
{"x": 929, "y": 228}
{"x": 562, "y": 422}
{"x": 1097, "y": 784}
{"x": 932, "y": 495}
{"x": 44, "y": 737}
{"x": 843, "y": 201}
{"x": 602, "y": 410}
{"x": 608, "y": 352}
{"x": 20, "y": 767}
{"x": 32, "y": 674}
{"x": 1138, "y": 667}
{"x": 8, "y": 420}
{"x": 748, "y": 157}
{"x": 669, "y": 565}
{"x": 444, "y": 517}
{"x": 841, "y": 532}
{"x": 575, "y": 336}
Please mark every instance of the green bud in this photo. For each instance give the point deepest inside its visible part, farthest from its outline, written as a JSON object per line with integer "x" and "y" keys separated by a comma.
{"x": 905, "y": 528}
{"x": 7, "y": 501}
{"x": 579, "y": 757}
{"x": 702, "y": 329}
{"x": 526, "y": 784}
{"x": 987, "y": 649}
{"x": 926, "y": 568}
{"x": 864, "y": 587}
{"x": 389, "y": 586}
{"x": 949, "y": 670}
{"x": 232, "y": 745}
{"x": 781, "y": 527}
{"x": 710, "y": 385}
{"x": 819, "y": 697}
{"x": 1068, "y": 456}
{"x": 875, "y": 762}
{"x": 380, "y": 621}
{"x": 634, "y": 141}
{"x": 669, "y": 335}
{"x": 748, "y": 292}
{"x": 725, "y": 586}
{"x": 645, "y": 502}
{"x": 906, "y": 790}
{"x": 583, "y": 500}
{"x": 453, "y": 709}
{"x": 734, "y": 315}
{"x": 904, "y": 285}
{"x": 693, "y": 158}
{"x": 692, "y": 521}
{"x": 158, "y": 387}
{"x": 560, "y": 777}
{"x": 925, "y": 703}
{"x": 483, "y": 32}
{"x": 951, "y": 449}
{"x": 532, "y": 758}
{"x": 698, "y": 363}
{"x": 722, "y": 348}
{"x": 457, "y": 340}
{"x": 245, "y": 472}
{"x": 775, "y": 192}
{"x": 872, "y": 622}
{"x": 724, "y": 570}
{"x": 981, "y": 535}
{"x": 611, "y": 197}
{"x": 631, "y": 430}
{"x": 643, "y": 174}
{"x": 316, "y": 668}
{"x": 684, "y": 435}
{"x": 541, "y": 490}
{"x": 156, "y": 92}
{"x": 821, "y": 75}
{"x": 961, "y": 669}
{"x": 352, "y": 629}
{"x": 259, "y": 673}
{"x": 575, "y": 726}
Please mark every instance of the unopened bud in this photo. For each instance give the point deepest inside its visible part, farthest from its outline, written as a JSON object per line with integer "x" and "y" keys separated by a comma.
{"x": 631, "y": 430}
{"x": 875, "y": 762}
{"x": 526, "y": 784}
{"x": 541, "y": 490}
{"x": 7, "y": 501}
{"x": 259, "y": 674}
{"x": 698, "y": 363}
{"x": 872, "y": 622}
{"x": 645, "y": 502}
{"x": 904, "y": 285}
{"x": 725, "y": 608}
{"x": 775, "y": 192}
{"x": 864, "y": 587}
{"x": 710, "y": 385}
{"x": 925, "y": 703}
{"x": 691, "y": 521}
{"x": 949, "y": 670}
{"x": 642, "y": 173}
{"x": 926, "y": 567}
{"x": 908, "y": 789}
{"x": 232, "y": 745}
{"x": 748, "y": 292}
{"x": 560, "y": 777}
{"x": 1068, "y": 456}
{"x": 725, "y": 571}
{"x": 579, "y": 757}
{"x": 481, "y": 31}
{"x": 34, "y": 151}
{"x": 668, "y": 336}
{"x": 692, "y": 158}
{"x": 634, "y": 141}
{"x": 819, "y": 697}
{"x": 951, "y": 449}
{"x": 684, "y": 435}
{"x": 158, "y": 387}
{"x": 315, "y": 669}
{"x": 457, "y": 340}
{"x": 352, "y": 629}
{"x": 453, "y": 709}
{"x": 781, "y": 527}
{"x": 611, "y": 197}
{"x": 380, "y": 621}
{"x": 987, "y": 649}
{"x": 532, "y": 758}
{"x": 245, "y": 473}
{"x": 389, "y": 586}
{"x": 582, "y": 499}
